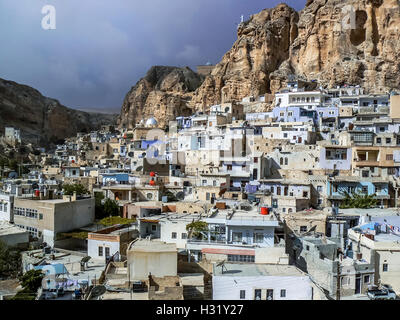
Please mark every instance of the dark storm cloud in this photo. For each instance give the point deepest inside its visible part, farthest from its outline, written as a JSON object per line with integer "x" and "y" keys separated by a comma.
{"x": 101, "y": 48}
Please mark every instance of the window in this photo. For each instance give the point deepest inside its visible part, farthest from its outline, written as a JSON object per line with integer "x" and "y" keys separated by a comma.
{"x": 100, "y": 251}
{"x": 391, "y": 170}
{"x": 308, "y": 248}
{"x": 385, "y": 267}
{"x": 283, "y": 293}
{"x": 366, "y": 279}
{"x": 388, "y": 140}
{"x": 153, "y": 227}
{"x": 378, "y": 140}
{"x": 184, "y": 235}
{"x": 40, "y": 216}
{"x": 258, "y": 238}
{"x": 240, "y": 258}
{"x": 257, "y": 294}
{"x": 305, "y": 194}
{"x": 107, "y": 251}
{"x": 303, "y": 228}
{"x": 149, "y": 196}
{"x": 345, "y": 281}
{"x": 319, "y": 188}
{"x": 242, "y": 294}
{"x": 237, "y": 237}
{"x": 173, "y": 236}
{"x": 229, "y": 167}
{"x": 389, "y": 157}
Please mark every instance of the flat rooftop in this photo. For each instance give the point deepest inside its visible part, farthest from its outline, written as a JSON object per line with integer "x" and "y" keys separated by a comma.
{"x": 257, "y": 270}
{"x": 7, "y": 228}
{"x": 145, "y": 245}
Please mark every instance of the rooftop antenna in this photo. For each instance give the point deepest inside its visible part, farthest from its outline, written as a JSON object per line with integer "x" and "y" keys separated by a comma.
{"x": 222, "y": 265}
{"x": 241, "y": 19}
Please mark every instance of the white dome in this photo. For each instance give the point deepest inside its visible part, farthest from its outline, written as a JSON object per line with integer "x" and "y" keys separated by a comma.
{"x": 151, "y": 122}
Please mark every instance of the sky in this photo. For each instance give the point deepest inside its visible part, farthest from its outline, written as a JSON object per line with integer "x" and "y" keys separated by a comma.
{"x": 99, "y": 49}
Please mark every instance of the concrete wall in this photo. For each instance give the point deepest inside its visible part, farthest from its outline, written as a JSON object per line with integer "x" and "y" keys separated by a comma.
{"x": 273, "y": 255}
{"x": 395, "y": 107}
{"x": 160, "y": 264}
{"x": 179, "y": 227}
{"x": 93, "y": 248}
{"x": 14, "y": 239}
{"x": 228, "y": 287}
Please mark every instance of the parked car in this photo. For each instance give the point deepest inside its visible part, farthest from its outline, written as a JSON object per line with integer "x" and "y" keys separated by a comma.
{"x": 384, "y": 293}
{"x": 60, "y": 292}
{"x": 51, "y": 294}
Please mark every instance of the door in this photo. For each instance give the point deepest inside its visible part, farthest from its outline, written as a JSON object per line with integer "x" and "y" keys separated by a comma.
{"x": 257, "y": 294}
{"x": 358, "y": 285}
{"x": 270, "y": 294}
{"x": 255, "y": 174}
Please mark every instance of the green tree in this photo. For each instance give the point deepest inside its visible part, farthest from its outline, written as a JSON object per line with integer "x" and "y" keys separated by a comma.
{"x": 358, "y": 201}
{"x": 13, "y": 164}
{"x": 10, "y": 261}
{"x": 111, "y": 208}
{"x": 69, "y": 189}
{"x": 31, "y": 281}
{"x": 197, "y": 228}
{"x": 99, "y": 208}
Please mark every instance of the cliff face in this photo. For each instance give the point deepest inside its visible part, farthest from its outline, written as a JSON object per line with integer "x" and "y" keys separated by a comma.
{"x": 163, "y": 93}
{"x": 43, "y": 120}
{"x": 332, "y": 41}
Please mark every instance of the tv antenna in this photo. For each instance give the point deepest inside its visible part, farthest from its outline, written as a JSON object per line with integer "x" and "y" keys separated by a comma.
{"x": 222, "y": 265}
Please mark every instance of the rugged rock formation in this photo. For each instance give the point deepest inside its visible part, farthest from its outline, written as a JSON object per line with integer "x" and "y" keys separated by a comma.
{"x": 335, "y": 42}
{"x": 163, "y": 93}
{"x": 43, "y": 120}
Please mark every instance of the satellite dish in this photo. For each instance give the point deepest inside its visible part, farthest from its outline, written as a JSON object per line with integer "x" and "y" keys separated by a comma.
{"x": 86, "y": 259}
{"x": 98, "y": 291}
{"x": 140, "y": 168}
{"x": 180, "y": 195}
{"x": 222, "y": 265}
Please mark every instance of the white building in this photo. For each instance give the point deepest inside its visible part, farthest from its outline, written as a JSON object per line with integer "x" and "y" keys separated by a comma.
{"x": 260, "y": 282}
{"x": 6, "y": 207}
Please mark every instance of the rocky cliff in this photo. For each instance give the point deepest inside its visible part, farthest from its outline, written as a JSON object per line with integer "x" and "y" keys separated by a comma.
{"x": 163, "y": 93}
{"x": 43, "y": 120}
{"x": 335, "y": 42}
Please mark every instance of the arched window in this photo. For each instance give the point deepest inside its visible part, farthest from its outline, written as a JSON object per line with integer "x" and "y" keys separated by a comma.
{"x": 281, "y": 161}
{"x": 286, "y": 161}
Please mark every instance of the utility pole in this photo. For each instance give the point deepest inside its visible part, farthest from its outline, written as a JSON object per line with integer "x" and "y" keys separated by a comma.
{"x": 338, "y": 282}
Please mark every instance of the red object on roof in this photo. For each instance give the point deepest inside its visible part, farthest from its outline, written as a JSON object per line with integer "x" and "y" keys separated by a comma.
{"x": 73, "y": 161}
{"x": 152, "y": 183}
{"x": 152, "y": 174}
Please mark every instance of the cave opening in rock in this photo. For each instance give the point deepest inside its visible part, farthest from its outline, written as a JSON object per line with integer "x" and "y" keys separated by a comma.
{"x": 357, "y": 35}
